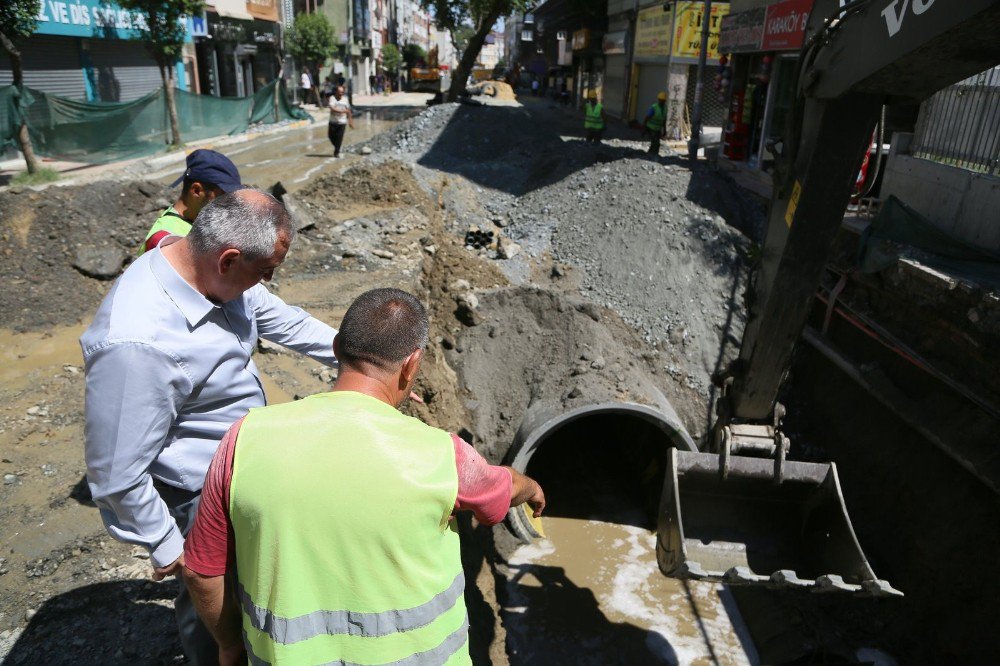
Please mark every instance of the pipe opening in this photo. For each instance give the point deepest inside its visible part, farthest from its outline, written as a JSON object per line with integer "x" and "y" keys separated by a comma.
{"x": 603, "y": 466}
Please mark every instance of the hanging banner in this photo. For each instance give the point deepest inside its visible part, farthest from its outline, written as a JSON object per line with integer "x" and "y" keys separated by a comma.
{"x": 743, "y": 32}
{"x": 652, "y": 32}
{"x": 785, "y": 26}
{"x": 687, "y": 31}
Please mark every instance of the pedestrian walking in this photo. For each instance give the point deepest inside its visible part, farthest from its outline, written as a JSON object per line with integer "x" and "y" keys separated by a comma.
{"x": 341, "y": 117}
{"x": 208, "y": 174}
{"x": 372, "y": 84}
{"x": 656, "y": 123}
{"x": 305, "y": 83}
{"x": 335, "y": 514}
{"x": 168, "y": 364}
{"x": 593, "y": 118}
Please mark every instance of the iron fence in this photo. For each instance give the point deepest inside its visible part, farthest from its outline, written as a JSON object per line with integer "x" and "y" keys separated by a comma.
{"x": 960, "y": 125}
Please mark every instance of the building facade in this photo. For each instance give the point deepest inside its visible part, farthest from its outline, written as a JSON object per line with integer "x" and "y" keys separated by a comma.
{"x": 89, "y": 50}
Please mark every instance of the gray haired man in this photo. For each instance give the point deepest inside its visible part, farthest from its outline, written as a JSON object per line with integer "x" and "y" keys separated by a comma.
{"x": 169, "y": 370}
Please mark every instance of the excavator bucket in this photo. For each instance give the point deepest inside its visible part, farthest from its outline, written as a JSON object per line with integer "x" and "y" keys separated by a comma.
{"x": 760, "y": 521}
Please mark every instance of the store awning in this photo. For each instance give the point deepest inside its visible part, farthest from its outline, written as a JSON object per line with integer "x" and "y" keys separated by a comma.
{"x": 236, "y": 9}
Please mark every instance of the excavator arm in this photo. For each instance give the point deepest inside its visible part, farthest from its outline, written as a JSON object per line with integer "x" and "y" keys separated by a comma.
{"x": 741, "y": 512}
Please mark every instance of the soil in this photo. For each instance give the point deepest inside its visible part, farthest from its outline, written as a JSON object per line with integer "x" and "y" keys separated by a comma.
{"x": 615, "y": 275}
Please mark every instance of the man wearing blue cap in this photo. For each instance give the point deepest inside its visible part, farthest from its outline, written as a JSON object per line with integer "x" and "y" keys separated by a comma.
{"x": 208, "y": 175}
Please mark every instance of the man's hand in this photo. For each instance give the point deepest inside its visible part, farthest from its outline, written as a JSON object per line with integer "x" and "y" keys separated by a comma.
{"x": 525, "y": 489}
{"x": 173, "y": 569}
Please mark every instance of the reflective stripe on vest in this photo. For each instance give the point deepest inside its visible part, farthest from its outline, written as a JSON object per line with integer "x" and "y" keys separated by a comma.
{"x": 170, "y": 221}
{"x": 345, "y": 551}
{"x": 592, "y": 117}
{"x": 657, "y": 121}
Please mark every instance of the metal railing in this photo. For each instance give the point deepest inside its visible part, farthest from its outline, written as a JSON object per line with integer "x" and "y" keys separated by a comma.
{"x": 960, "y": 125}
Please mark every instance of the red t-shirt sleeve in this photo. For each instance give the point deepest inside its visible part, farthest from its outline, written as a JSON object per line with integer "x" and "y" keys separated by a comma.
{"x": 155, "y": 239}
{"x": 483, "y": 488}
{"x": 210, "y": 548}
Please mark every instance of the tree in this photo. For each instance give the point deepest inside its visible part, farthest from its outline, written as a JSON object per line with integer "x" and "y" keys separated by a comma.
{"x": 474, "y": 18}
{"x": 413, "y": 55}
{"x": 310, "y": 39}
{"x": 164, "y": 39}
{"x": 17, "y": 22}
{"x": 391, "y": 58}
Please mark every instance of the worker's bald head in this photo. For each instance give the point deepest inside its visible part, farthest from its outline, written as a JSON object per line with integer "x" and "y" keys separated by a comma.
{"x": 248, "y": 220}
{"x": 381, "y": 329}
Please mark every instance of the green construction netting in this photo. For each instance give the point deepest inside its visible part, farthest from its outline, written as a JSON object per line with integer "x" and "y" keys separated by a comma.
{"x": 99, "y": 132}
{"x": 899, "y": 229}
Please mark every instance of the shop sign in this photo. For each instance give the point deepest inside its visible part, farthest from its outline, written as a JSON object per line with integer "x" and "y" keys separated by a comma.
{"x": 93, "y": 19}
{"x": 581, "y": 40}
{"x": 197, "y": 26}
{"x": 687, "y": 30}
{"x": 743, "y": 32}
{"x": 652, "y": 32}
{"x": 614, "y": 42}
{"x": 265, "y": 10}
{"x": 785, "y": 26}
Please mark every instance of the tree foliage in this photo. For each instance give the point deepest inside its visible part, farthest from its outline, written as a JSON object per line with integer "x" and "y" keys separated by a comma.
{"x": 17, "y": 18}
{"x": 165, "y": 25}
{"x": 469, "y": 22}
{"x": 391, "y": 57}
{"x": 413, "y": 54}
{"x": 311, "y": 38}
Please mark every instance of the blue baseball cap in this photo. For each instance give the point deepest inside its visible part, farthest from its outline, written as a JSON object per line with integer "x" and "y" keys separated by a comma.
{"x": 212, "y": 168}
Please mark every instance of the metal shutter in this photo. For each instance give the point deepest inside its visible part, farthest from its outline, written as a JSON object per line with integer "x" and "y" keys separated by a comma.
{"x": 614, "y": 85}
{"x": 652, "y": 81}
{"x": 123, "y": 70}
{"x": 51, "y": 64}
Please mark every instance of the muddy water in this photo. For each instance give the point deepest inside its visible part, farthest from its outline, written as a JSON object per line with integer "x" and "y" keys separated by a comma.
{"x": 297, "y": 157}
{"x": 591, "y": 593}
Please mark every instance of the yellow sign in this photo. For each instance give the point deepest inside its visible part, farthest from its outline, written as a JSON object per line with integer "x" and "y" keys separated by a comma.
{"x": 793, "y": 203}
{"x": 687, "y": 30}
{"x": 652, "y": 32}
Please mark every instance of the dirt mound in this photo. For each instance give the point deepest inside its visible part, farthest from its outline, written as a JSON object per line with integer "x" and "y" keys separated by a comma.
{"x": 44, "y": 233}
{"x": 495, "y": 89}
{"x": 648, "y": 249}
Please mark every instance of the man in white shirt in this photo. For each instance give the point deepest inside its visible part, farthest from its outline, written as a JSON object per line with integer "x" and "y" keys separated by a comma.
{"x": 305, "y": 82}
{"x": 169, "y": 368}
{"x": 340, "y": 118}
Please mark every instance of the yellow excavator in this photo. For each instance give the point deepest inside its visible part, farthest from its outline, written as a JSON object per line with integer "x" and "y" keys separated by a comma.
{"x": 427, "y": 78}
{"x": 741, "y": 512}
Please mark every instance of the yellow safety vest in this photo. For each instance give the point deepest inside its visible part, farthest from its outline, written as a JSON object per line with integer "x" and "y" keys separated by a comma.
{"x": 170, "y": 221}
{"x": 592, "y": 116}
{"x": 345, "y": 551}
{"x": 657, "y": 121}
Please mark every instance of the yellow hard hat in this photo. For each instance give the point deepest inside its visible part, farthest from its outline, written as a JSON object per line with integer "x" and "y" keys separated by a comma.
{"x": 662, "y": 97}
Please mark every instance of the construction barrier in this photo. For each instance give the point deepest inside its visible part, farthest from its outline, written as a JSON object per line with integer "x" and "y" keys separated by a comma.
{"x": 99, "y": 132}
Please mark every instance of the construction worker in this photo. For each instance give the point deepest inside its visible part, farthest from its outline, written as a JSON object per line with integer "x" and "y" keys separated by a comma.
{"x": 656, "y": 123}
{"x": 334, "y": 514}
{"x": 593, "y": 117}
{"x": 208, "y": 175}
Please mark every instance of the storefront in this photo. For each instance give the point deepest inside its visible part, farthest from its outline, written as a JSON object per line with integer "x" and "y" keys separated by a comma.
{"x": 759, "y": 78}
{"x": 615, "y": 70}
{"x": 89, "y": 50}
{"x": 666, "y": 49}
{"x": 588, "y": 64}
{"x": 241, "y": 52}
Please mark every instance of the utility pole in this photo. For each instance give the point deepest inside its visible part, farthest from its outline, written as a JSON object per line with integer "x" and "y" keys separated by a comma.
{"x": 699, "y": 88}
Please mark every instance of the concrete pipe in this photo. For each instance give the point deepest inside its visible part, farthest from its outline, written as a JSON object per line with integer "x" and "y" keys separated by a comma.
{"x": 593, "y": 454}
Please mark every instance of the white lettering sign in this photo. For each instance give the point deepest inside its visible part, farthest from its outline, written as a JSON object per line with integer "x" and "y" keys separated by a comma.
{"x": 894, "y": 18}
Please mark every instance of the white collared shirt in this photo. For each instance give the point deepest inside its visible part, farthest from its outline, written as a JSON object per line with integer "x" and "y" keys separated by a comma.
{"x": 167, "y": 373}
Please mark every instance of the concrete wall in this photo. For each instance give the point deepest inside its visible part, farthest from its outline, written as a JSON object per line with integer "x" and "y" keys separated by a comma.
{"x": 959, "y": 201}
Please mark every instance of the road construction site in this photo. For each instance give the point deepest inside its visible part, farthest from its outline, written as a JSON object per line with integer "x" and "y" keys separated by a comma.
{"x": 577, "y": 344}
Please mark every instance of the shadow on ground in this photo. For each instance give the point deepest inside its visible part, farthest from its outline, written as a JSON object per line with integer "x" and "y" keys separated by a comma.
{"x": 119, "y": 622}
